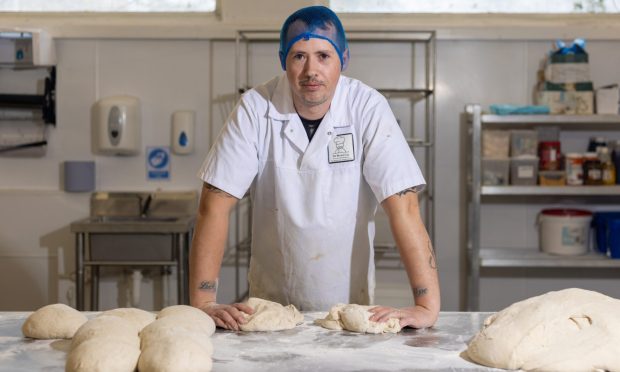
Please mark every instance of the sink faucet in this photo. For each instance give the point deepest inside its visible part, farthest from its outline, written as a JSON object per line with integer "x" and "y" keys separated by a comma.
{"x": 146, "y": 205}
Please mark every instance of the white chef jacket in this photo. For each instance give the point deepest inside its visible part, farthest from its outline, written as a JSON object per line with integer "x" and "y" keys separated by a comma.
{"x": 313, "y": 202}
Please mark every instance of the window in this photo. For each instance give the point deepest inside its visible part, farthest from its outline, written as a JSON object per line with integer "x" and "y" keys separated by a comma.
{"x": 476, "y": 6}
{"x": 134, "y": 6}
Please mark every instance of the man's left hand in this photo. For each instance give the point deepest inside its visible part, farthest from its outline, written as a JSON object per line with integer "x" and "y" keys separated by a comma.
{"x": 415, "y": 317}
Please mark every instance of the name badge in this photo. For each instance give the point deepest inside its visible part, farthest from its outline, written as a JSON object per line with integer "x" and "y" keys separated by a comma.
{"x": 341, "y": 149}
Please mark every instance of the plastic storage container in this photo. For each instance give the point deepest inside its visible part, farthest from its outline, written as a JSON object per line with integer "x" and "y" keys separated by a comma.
{"x": 495, "y": 172}
{"x": 601, "y": 225}
{"x": 495, "y": 143}
{"x": 524, "y": 170}
{"x": 523, "y": 142}
{"x": 564, "y": 231}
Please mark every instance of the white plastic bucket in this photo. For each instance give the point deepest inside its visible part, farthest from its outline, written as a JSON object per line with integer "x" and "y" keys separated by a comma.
{"x": 564, "y": 231}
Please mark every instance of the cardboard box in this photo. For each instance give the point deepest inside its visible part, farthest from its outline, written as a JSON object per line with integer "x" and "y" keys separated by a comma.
{"x": 608, "y": 100}
{"x": 570, "y": 103}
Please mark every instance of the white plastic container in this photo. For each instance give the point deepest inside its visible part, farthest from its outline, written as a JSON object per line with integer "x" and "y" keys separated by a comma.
{"x": 564, "y": 231}
{"x": 116, "y": 126}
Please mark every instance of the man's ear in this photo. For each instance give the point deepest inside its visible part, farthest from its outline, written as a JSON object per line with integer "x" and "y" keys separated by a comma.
{"x": 282, "y": 60}
{"x": 345, "y": 59}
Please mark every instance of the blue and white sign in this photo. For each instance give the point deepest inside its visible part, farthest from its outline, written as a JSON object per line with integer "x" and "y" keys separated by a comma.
{"x": 158, "y": 163}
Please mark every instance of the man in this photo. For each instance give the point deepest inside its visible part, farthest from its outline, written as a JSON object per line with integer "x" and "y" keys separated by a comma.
{"x": 318, "y": 152}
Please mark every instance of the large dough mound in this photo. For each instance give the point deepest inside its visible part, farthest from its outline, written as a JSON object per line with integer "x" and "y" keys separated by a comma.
{"x": 172, "y": 355}
{"x": 138, "y": 317}
{"x": 568, "y": 330}
{"x": 355, "y": 318}
{"x": 53, "y": 321}
{"x": 107, "y": 327}
{"x": 102, "y": 355}
{"x": 167, "y": 328}
{"x": 270, "y": 316}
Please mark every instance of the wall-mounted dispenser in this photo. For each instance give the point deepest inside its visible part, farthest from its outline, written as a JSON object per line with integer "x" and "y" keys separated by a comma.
{"x": 183, "y": 132}
{"x": 116, "y": 126}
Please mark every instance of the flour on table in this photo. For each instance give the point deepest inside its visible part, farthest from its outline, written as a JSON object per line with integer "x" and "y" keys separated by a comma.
{"x": 355, "y": 318}
{"x": 568, "y": 330}
{"x": 53, "y": 321}
{"x": 270, "y": 316}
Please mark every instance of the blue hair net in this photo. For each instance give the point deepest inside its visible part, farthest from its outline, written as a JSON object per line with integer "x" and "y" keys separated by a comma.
{"x": 314, "y": 22}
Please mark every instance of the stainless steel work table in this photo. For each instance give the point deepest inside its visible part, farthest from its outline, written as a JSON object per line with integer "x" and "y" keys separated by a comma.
{"x": 306, "y": 348}
{"x": 180, "y": 228}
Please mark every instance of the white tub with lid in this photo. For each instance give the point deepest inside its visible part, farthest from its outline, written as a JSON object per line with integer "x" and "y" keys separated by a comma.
{"x": 564, "y": 231}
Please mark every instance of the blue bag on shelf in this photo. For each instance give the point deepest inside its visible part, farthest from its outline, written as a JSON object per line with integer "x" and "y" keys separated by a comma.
{"x": 519, "y": 110}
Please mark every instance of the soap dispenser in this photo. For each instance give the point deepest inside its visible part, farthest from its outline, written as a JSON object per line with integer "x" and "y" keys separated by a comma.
{"x": 182, "y": 136}
{"x": 116, "y": 126}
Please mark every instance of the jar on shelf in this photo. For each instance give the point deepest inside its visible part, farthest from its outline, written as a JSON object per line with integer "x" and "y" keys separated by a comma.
{"x": 549, "y": 154}
{"x": 592, "y": 169}
{"x": 574, "y": 169}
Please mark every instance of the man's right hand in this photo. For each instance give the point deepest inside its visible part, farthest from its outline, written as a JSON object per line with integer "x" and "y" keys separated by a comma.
{"x": 227, "y": 316}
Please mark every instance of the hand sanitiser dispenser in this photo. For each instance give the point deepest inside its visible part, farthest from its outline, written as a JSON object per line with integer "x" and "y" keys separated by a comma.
{"x": 183, "y": 132}
{"x": 116, "y": 123}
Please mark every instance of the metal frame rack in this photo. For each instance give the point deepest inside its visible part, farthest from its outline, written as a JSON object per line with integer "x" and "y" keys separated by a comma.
{"x": 479, "y": 258}
{"x": 419, "y": 92}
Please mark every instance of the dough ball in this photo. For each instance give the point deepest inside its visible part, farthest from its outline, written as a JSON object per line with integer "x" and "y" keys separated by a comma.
{"x": 102, "y": 355}
{"x": 107, "y": 327}
{"x": 138, "y": 317}
{"x": 270, "y": 316}
{"x": 53, "y": 321}
{"x": 185, "y": 311}
{"x": 568, "y": 330}
{"x": 205, "y": 327}
{"x": 355, "y": 318}
{"x": 172, "y": 355}
{"x": 168, "y": 334}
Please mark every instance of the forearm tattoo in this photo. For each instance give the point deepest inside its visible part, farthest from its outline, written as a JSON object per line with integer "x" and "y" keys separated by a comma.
{"x": 432, "y": 260}
{"x": 411, "y": 189}
{"x": 211, "y": 188}
{"x": 419, "y": 292}
{"x": 208, "y": 286}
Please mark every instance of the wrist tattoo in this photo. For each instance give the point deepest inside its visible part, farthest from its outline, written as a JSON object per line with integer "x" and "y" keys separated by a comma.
{"x": 432, "y": 260}
{"x": 208, "y": 285}
{"x": 213, "y": 189}
{"x": 411, "y": 189}
{"x": 419, "y": 292}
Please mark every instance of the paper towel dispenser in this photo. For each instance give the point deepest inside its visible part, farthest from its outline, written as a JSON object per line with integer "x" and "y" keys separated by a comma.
{"x": 26, "y": 48}
{"x": 116, "y": 126}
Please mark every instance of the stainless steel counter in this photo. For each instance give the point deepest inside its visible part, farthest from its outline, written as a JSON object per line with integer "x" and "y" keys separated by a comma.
{"x": 305, "y": 348}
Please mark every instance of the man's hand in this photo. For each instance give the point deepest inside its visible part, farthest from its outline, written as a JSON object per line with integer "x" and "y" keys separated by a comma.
{"x": 227, "y": 316}
{"x": 415, "y": 317}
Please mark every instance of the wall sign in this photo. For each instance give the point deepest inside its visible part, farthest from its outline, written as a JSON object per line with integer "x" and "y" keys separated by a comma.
{"x": 158, "y": 163}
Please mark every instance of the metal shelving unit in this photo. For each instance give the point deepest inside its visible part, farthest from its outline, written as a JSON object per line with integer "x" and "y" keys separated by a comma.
{"x": 478, "y": 257}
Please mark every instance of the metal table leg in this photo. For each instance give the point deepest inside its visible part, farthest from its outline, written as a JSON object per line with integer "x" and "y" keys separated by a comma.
{"x": 94, "y": 288}
{"x": 180, "y": 245}
{"x": 79, "y": 271}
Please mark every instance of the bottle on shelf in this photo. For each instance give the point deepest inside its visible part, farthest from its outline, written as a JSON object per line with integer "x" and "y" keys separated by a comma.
{"x": 608, "y": 168}
{"x": 615, "y": 156}
{"x": 592, "y": 169}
